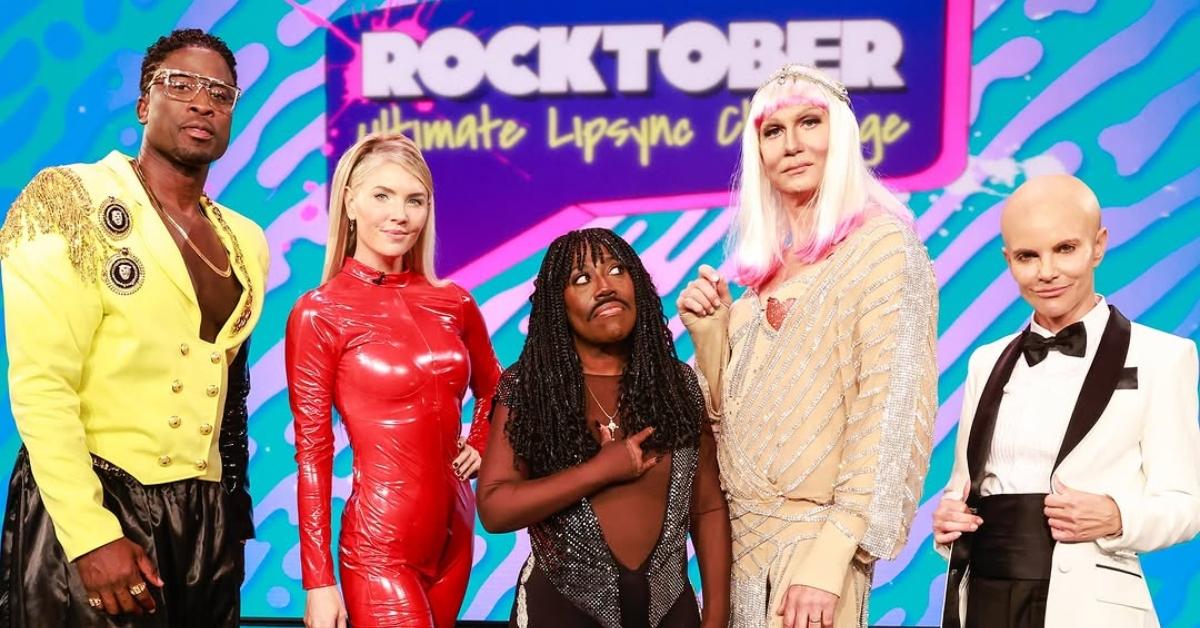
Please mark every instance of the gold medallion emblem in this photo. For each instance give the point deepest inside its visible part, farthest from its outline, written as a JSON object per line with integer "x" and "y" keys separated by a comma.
{"x": 124, "y": 273}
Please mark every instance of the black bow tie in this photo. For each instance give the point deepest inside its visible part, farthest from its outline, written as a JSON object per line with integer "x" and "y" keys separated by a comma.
{"x": 1070, "y": 341}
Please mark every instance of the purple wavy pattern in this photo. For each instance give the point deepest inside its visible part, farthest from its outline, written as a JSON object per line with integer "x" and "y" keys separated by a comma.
{"x": 1190, "y": 323}
{"x": 1016, "y": 57}
{"x": 1042, "y": 9}
{"x": 1140, "y": 294}
{"x": 1120, "y": 52}
{"x": 251, "y": 62}
{"x": 246, "y": 144}
{"x": 1134, "y": 142}
{"x": 1126, "y": 222}
{"x": 203, "y": 14}
{"x": 279, "y": 165}
{"x": 984, "y": 9}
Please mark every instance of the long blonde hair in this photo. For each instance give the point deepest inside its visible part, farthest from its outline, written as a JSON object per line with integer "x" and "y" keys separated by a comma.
{"x": 761, "y": 235}
{"x": 359, "y": 160}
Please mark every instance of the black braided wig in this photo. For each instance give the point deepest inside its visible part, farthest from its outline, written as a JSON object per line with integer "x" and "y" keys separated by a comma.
{"x": 544, "y": 388}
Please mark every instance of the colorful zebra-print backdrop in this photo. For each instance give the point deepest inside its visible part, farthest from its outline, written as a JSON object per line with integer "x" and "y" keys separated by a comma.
{"x": 1106, "y": 90}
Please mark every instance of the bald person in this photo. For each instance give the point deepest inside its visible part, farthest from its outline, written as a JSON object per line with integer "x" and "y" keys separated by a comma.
{"x": 1078, "y": 446}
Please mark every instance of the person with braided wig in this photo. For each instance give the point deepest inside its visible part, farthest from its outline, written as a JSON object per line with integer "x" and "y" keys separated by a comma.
{"x": 129, "y": 299}
{"x": 601, "y": 447}
{"x": 822, "y": 374}
{"x": 394, "y": 349}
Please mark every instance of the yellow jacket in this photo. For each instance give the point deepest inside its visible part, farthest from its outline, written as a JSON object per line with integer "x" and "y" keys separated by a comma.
{"x": 102, "y": 331}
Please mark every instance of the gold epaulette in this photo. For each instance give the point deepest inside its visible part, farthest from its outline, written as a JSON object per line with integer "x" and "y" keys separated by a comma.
{"x": 56, "y": 202}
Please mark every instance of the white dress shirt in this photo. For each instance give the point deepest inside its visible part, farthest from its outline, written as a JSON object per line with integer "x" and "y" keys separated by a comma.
{"x": 1034, "y": 412}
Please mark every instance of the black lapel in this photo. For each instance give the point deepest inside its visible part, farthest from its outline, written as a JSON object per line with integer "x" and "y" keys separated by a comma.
{"x": 978, "y": 445}
{"x": 984, "y": 423}
{"x": 1100, "y": 382}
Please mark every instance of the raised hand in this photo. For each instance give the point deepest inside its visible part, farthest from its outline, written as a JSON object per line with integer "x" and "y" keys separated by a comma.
{"x": 703, "y": 295}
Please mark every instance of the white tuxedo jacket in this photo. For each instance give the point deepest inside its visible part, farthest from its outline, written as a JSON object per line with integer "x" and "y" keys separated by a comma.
{"x": 1143, "y": 451}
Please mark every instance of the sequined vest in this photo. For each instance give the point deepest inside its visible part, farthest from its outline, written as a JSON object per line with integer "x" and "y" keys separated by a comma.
{"x": 570, "y": 549}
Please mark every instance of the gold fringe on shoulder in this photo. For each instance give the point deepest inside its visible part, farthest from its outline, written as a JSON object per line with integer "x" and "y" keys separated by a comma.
{"x": 56, "y": 201}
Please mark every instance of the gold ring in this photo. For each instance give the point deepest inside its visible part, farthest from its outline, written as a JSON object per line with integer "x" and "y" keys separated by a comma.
{"x": 95, "y": 602}
{"x": 137, "y": 589}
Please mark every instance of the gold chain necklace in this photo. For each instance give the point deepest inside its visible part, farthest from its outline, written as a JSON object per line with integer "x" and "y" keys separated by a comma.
{"x": 224, "y": 274}
{"x": 611, "y": 425}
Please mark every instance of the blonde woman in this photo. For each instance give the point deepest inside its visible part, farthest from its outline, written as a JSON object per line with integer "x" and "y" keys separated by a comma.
{"x": 822, "y": 375}
{"x": 393, "y": 349}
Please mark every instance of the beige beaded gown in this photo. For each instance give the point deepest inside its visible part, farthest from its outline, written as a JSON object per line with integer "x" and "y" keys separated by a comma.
{"x": 826, "y": 421}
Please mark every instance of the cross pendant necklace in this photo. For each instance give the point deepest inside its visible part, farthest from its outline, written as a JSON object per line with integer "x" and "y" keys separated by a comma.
{"x": 612, "y": 424}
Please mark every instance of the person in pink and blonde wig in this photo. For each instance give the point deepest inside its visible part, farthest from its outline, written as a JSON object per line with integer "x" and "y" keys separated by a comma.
{"x": 821, "y": 377}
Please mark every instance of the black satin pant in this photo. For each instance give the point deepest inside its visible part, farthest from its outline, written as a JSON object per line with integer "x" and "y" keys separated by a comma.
{"x": 189, "y": 529}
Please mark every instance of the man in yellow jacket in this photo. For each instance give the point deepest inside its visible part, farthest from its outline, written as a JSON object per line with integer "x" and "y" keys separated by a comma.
{"x": 129, "y": 296}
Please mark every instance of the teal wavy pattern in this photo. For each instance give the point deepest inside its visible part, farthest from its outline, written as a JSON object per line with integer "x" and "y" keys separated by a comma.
{"x": 1109, "y": 91}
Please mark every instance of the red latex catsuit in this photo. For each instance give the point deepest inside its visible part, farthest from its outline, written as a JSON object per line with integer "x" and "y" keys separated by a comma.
{"x": 394, "y": 354}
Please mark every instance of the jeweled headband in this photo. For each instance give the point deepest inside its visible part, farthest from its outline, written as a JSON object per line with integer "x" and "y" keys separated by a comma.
{"x": 797, "y": 72}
